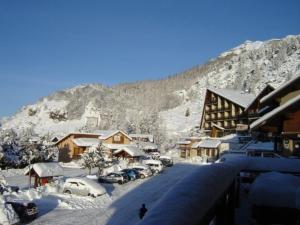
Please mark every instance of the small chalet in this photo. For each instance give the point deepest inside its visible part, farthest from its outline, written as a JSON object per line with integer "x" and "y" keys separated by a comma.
{"x": 185, "y": 146}
{"x": 43, "y": 173}
{"x": 207, "y": 148}
{"x": 129, "y": 152}
{"x": 282, "y": 121}
{"x": 74, "y": 144}
{"x": 114, "y": 139}
{"x": 223, "y": 109}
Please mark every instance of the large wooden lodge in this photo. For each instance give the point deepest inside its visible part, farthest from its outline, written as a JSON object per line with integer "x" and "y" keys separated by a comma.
{"x": 272, "y": 115}
{"x": 223, "y": 110}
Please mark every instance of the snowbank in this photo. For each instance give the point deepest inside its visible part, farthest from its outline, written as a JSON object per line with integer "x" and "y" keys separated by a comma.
{"x": 7, "y": 215}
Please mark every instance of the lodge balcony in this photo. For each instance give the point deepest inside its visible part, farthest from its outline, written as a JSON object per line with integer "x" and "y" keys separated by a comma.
{"x": 219, "y": 194}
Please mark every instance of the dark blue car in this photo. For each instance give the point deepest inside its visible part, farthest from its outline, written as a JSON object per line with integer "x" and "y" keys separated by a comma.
{"x": 131, "y": 173}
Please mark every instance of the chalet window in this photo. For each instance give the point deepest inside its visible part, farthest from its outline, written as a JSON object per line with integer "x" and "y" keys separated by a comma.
{"x": 117, "y": 138}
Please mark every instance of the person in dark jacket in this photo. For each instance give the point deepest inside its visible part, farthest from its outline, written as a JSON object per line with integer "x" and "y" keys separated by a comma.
{"x": 143, "y": 211}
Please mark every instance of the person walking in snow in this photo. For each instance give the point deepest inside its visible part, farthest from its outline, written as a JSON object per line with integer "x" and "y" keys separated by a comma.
{"x": 143, "y": 211}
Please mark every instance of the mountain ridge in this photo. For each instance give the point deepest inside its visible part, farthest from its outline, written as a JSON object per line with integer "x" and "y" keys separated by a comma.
{"x": 160, "y": 106}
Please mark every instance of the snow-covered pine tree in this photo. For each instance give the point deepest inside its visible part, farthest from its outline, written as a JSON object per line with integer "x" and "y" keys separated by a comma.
{"x": 94, "y": 157}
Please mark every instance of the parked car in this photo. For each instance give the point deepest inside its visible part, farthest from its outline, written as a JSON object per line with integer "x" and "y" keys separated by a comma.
{"x": 83, "y": 186}
{"x": 26, "y": 210}
{"x": 114, "y": 177}
{"x": 155, "y": 165}
{"x": 154, "y": 155}
{"x": 131, "y": 173}
{"x": 166, "y": 160}
{"x": 144, "y": 171}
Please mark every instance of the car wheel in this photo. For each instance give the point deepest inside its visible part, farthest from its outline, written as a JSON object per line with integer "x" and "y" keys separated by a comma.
{"x": 67, "y": 192}
{"x": 120, "y": 182}
{"x": 142, "y": 176}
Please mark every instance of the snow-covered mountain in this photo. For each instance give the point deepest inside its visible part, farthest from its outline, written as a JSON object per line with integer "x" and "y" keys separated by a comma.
{"x": 169, "y": 107}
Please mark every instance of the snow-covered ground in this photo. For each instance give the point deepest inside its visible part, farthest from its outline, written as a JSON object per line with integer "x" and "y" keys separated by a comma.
{"x": 119, "y": 206}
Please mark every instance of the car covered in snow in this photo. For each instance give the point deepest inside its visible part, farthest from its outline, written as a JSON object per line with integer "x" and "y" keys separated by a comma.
{"x": 156, "y": 166}
{"x": 144, "y": 171}
{"x": 26, "y": 210}
{"x": 114, "y": 177}
{"x": 83, "y": 186}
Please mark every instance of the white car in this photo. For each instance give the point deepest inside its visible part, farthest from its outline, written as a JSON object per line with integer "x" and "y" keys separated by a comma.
{"x": 83, "y": 186}
{"x": 155, "y": 165}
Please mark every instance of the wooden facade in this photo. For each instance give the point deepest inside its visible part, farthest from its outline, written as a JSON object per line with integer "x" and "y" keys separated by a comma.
{"x": 68, "y": 150}
{"x": 185, "y": 147}
{"x": 282, "y": 123}
{"x": 253, "y": 109}
{"x": 117, "y": 138}
{"x": 221, "y": 115}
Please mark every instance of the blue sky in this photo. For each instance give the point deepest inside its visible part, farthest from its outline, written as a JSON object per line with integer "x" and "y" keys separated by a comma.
{"x": 55, "y": 44}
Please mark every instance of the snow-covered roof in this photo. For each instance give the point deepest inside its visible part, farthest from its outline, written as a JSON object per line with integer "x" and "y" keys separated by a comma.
{"x": 114, "y": 146}
{"x": 184, "y": 142}
{"x": 86, "y": 142}
{"x": 276, "y": 111}
{"x": 208, "y": 143}
{"x": 149, "y": 136}
{"x": 105, "y": 134}
{"x": 281, "y": 88}
{"x": 49, "y": 169}
{"x": 261, "y": 146}
{"x": 131, "y": 150}
{"x": 237, "y": 96}
{"x": 64, "y": 137}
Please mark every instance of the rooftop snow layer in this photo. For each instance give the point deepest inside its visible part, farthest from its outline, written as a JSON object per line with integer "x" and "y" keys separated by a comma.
{"x": 46, "y": 169}
{"x": 104, "y": 134}
{"x": 208, "y": 143}
{"x": 237, "y": 96}
{"x": 86, "y": 142}
{"x": 131, "y": 150}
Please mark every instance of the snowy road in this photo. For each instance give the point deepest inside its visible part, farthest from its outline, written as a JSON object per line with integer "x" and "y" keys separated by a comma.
{"x": 119, "y": 207}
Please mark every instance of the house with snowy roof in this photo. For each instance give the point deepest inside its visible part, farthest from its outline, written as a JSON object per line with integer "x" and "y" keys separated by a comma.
{"x": 43, "y": 173}
{"x": 74, "y": 144}
{"x": 223, "y": 109}
{"x": 130, "y": 152}
{"x": 281, "y": 122}
{"x": 185, "y": 146}
{"x": 208, "y": 148}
